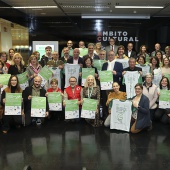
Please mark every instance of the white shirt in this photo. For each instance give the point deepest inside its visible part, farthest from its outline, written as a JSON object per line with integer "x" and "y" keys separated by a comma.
{"x": 129, "y": 53}
{"x": 110, "y": 65}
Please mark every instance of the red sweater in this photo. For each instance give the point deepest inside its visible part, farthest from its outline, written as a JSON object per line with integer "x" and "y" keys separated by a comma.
{"x": 51, "y": 90}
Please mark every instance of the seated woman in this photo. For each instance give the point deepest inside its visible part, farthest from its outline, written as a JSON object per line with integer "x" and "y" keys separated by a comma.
{"x": 13, "y": 87}
{"x": 150, "y": 90}
{"x": 92, "y": 91}
{"x": 140, "y": 111}
{"x": 55, "y": 88}
{"x": 163, "y": 114}
{"x": 113, "y": 95}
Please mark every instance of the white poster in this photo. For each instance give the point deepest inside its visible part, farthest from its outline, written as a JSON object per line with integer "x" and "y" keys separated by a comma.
{"x": 125, "y": 62}
{"x": 157, "y": 76}
{"x": 56, "y": 75}
{"x": 71, "y": 70}
{"x": 121, "y": 115}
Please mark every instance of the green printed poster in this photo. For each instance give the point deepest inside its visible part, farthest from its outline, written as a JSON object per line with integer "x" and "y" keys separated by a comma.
{"x": 55, "y": 101}
{"x": 106, "y": 80}
{"x": 86, "y": 72}
{"x": 23, "y": 80}
{"x": 38, "y": 106}
{"x": 89, "y": 108}
{"x": 4, "y": 78}
{"x": 13, "y": 104}
{"x": 164, "y": 99}
{"x": 98, "y": 64}
{"x": 71, "y": 109}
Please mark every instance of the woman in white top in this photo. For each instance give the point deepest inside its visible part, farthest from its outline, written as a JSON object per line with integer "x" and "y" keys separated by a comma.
{"x": 165, "y": 66}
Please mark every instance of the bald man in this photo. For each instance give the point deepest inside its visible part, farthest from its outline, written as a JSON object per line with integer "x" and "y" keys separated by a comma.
{"x": 28, "y": 93}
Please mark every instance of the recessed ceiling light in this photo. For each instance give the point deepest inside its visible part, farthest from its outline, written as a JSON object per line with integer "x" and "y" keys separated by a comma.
{"x": 85, "y": 6}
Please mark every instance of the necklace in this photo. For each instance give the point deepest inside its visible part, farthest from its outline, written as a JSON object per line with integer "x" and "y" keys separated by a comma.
{"x": 90, "y": 91}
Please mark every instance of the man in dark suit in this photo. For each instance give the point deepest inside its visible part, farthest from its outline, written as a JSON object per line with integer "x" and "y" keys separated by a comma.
{"x": 111, "y": 47}
{"x": 130, "y": 52}
{"x": 76, "y": 59}
{"x": 91, "y": 52}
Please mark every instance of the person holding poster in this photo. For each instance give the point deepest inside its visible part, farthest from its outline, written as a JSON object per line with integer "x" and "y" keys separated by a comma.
{"x": 163, "y": 114}
{"x": 73, "y": 92}
{"x": 17, "y": 65}
{"x": 150, "y": 90}
{"x": 140, "y": 111}
{"x": 55, "y": 88}
{"x": 28, "y": 93}
{"x": 33, "y": 69}
{"x": 92, "y": 91}
{"x": 116, "y": 94}
{"x": 13, "y": 87}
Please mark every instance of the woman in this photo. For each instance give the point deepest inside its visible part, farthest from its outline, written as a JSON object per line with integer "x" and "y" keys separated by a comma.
{"x": 92, "y": 91}
{"x": 140, "y": 111}
{"x": 143, "y": 51}
{"x": 141, "y": 60}
{"x": 150, "y": 90}
{"x": 159, "y": 55}
{"x": 10, "y": 55}
{"x": 37, "y": 54}
{"x": 1, "y": 67}
{"x": 165, "y": 66}
{"x": 33, "y": 69}
{"x": 17, "y": 65}
{"x": 121, "y": 53}
{"x": 98, "y": 48}
{"x": 3, "y": 58}
{"x": 13, "y": 87}
{"x": 113, "y": 95}
{"x": 167, "y": 52}
{"x": 163, "y": 114}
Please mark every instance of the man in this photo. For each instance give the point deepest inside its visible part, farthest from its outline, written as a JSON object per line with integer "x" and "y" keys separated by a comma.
{"x": 69, "y": 46}
{"x": 83, "y": 49}
{"x": 66, "y": 55}
{"x": 27, "y": 95}
{"x": 130, "y": 52}
{"x": 157, "y": 48}
{"x": 102, "y": 55}
{"x": 116, "y": 69}
{"x": 55, "y": 62}
{"x": 47, "y": 56}
{"x": 73, "y": 92}
{"x": 111, "y": 47}
{"x": 76, "y": 59}
{"x": 91, "y": 52}
{"x": 132, "y": 66}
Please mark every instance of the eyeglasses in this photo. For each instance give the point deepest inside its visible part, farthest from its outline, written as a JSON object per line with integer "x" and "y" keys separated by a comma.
{"x": 72, "y": 81}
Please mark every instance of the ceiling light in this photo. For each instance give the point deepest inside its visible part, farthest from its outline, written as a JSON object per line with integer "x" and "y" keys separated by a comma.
{"x": 116, "y": 17}
{"x": 32, "y": 7}
{"x": 117, "y": 6}
{"x": 84, "y": 6}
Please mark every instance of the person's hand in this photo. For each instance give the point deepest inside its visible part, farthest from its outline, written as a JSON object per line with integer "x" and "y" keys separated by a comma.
{"x": 64, "y": 103}
{"x": 114, "y": 72}
{"x": 140, "y": 72}
{"x": 1, "y": 85}
{"x": 168, "y": 114}
{"x": 79, "y": 102}
{"x": 97, "y": 111}
{"x": 82, "y": 102}
{"x": 95, "y": 75}
{"x": 46, "y": 94}
{"x": 4, "y": 100}
{"x": 99, "y": 78}
{"x": 123, "y": 73}
{"x": 29, "y": 97}
{"x": 158, "y": 93}
{"x": 109, "y": 111}
{"x": 34, "y": 75}
{"x": 46, "y": 114}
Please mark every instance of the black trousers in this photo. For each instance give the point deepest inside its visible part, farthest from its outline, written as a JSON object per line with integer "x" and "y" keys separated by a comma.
{"x": 161, "y": 114}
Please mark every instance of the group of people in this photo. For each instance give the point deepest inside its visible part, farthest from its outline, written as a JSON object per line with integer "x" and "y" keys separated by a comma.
{"x": 145, "y": 107}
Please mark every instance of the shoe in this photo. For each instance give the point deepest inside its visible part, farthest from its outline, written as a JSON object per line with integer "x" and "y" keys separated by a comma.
{"x": 38, "y": 122}
{"x": 27, "y": 168}
{"x": 4, "y": 131}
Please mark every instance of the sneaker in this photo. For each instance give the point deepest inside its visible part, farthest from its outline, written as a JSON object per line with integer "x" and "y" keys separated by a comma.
{"x": 38, "y": 122}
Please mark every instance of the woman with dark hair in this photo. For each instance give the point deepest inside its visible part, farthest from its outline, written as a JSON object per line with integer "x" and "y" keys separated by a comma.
{"x": 141, "y": 60}
{"x": 159, "y": 55}
{"x": 3, "y": 58}
{"x": 140, "y": 111}
{"x": 143, "y": 51}
{"x": 13, "y": 87}
{"x": 121, "y": 53}
{"x": 10, "y": 55}
{"x": 163, "y": 114}
{"x": 17, "y": 65}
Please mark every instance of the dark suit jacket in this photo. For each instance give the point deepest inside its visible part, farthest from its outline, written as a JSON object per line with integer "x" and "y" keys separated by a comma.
{"x": 95, "y": 56}
{"x": 118, "y": 68}
{"x": 143, "y": 117}
{"x": 70, "y": 60}
{"x": 27, "y": 103}
{"x": 133, "y": 54}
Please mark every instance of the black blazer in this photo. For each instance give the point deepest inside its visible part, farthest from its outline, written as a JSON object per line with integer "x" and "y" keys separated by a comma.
{"x": 13, "y": 70}
{"x": 143, "y": 117}
{"x": 118, "y": 68}
{"x": 133, "y": 54}
{"x": 27, "y": 103}
{"x": 70, "y": 60}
